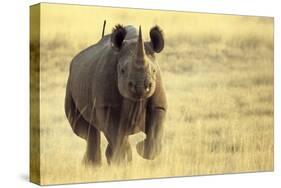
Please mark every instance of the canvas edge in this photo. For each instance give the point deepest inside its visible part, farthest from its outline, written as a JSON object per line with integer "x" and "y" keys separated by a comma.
{"x": 34, "y": 47}
{"x": 35, "y": 175}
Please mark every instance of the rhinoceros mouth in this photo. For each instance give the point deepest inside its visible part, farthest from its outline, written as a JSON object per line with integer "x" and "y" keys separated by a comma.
{"x": 137, "y": 98}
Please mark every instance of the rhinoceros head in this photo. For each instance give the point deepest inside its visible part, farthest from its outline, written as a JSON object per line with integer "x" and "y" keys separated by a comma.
{"x": 137, "y": 68}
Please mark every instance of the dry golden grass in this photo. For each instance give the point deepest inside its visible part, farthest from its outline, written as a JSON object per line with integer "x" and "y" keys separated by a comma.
{"x": 218, "y": 73}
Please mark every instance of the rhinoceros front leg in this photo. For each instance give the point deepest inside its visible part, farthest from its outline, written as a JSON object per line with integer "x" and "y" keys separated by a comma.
{"x": 151, "y": 146}
{"x": 118, "y": 150}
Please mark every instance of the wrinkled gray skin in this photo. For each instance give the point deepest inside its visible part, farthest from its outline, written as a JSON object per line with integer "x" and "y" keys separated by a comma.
{"x": 115, "y": 87}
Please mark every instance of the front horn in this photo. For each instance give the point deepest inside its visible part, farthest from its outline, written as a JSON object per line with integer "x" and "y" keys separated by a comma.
{"x": 140, "y": 49}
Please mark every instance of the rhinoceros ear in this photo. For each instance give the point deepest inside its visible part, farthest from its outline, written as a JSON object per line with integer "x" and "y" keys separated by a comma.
{"x": 156, "y": 39}
{"x": 118, "y": 35}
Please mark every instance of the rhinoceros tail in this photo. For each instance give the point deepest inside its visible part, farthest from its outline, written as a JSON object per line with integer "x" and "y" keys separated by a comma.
{"x": 103, "y": 29}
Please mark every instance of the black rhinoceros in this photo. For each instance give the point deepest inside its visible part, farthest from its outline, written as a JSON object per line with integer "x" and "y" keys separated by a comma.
{"x": 115, "y": 87}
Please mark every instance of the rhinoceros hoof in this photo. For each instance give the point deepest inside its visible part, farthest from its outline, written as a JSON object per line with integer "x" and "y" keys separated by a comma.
{"x": 141, "y": 151}
{"x": 139, "y": 148}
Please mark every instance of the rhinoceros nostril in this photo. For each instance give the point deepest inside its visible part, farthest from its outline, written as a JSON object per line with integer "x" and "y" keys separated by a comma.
{"x": 147, "y": 86}
{"x": 132, "y": 87}
{"x": 131, "y": 84}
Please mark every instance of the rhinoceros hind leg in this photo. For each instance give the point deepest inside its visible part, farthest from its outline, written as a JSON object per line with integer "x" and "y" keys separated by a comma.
{"x": 83, "y": 129}
{"x": 93, "y": 152}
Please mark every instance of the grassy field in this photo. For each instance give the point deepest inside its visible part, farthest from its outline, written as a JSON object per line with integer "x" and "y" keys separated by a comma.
{"x": 218, "y": 74}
